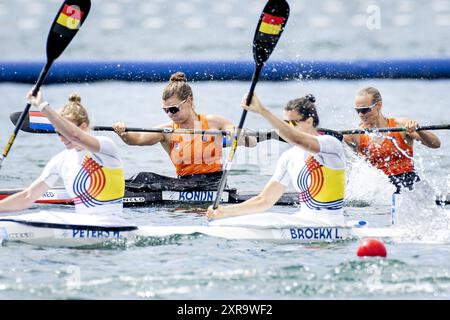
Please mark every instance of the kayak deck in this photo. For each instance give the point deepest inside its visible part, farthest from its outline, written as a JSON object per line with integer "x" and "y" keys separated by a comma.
{"x": 59, "y": 196}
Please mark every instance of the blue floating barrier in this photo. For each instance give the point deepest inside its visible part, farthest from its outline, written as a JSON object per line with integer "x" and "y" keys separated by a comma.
{"x": 154, "y": 71}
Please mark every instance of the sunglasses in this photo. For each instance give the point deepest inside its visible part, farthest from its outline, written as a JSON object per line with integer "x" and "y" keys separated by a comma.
{"x": 364, "y": 110}
{"x": 173, "y": 109}
{"x": 292, "y": 122}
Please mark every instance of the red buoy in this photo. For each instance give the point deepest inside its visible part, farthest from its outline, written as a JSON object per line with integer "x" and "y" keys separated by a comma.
{"x": 371, "y": 248}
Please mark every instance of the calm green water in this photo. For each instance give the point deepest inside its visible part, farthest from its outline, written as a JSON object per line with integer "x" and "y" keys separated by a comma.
{"x": 199, "y": 267}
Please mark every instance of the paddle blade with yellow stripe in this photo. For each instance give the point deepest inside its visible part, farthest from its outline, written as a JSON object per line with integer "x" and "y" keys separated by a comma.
{"x": 67, "y": 22}
{"x": 270, "y": 27}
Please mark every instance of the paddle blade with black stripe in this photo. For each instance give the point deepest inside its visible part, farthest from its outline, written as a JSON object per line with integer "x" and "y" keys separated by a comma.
{"x": 270, "y": 27}
{"x": 67, "y": 22}
{"x": 65, "y": 26}
{"x": 268, "y": 31}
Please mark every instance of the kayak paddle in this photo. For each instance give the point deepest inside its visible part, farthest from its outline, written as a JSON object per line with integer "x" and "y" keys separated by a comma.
{"x": 261, "y": 135}
{"x": 374, "y": 130}
{"x": 42, "y": 125}
{"x": 65, "y": 26}
{"x": 268, "y": 31}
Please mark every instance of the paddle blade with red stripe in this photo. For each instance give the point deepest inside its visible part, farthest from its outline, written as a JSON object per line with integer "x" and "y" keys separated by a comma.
{"x": 34, "y": 122}
{"x": 268, "y": 31}
{"x": 66, "y": 25}
{"x": 270, "y": 27}
{"x": 67, "y": 22}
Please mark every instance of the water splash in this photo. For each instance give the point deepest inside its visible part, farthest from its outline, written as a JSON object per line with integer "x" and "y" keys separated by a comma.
{"x": 417, "y": 212}
{"x": 365, "y": 182}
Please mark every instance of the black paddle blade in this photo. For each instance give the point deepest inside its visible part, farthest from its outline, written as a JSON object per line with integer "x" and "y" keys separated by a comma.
{"x": 270, "y": 27}
{"x": 32, "y": 128}
{"x": 67, "y": 22}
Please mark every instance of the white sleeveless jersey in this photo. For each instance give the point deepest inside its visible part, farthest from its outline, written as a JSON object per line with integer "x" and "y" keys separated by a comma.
{"x": 319, "y": 178}
{"x": 95, "y": 181}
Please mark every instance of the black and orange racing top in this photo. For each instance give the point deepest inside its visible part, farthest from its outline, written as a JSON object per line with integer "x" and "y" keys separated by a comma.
{"x": 393, "y": 155}
{"x": 196, "y": 154}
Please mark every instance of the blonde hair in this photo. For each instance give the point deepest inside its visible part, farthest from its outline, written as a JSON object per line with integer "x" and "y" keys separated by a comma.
{"x": 178, "y": 87}
{"x": 74, "y": 111}
{"x": 376, "y": 95}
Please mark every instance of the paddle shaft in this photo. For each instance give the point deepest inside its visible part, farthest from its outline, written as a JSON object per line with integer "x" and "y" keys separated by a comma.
{"x": 227, "y": 167}
{"x": 66, "y": 24}
{"x": 262, "y": 135}
{"x": 421, "y": 128}
{"x": 272, "y": 134}
{"x": 24, "y": 114}
{"x": 268, "y": 31}
{"x": 167, "y": 130}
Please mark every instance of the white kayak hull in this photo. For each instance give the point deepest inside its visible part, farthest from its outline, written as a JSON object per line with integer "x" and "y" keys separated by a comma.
{"x": 54, "y": 237}
{"x": 77, "y": 230}
{"x": 79, "y": 237}
{"x": 61, "y": 229}
{"x": 293, "y": 234}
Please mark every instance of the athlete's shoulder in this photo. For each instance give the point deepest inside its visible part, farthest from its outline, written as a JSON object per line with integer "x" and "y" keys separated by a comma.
{"x": 326, "y": 138}
{"x": 107, "y": 146}
{"x": 399, "y": 122}
{"x": 216, "y": 121}
{"x": 165, "y": 125}
{"x": 104, "y": 139}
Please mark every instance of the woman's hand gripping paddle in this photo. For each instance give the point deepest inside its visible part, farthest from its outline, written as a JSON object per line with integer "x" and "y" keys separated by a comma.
{"x": 268, "y": 31}
{"x": 67, "y": 22}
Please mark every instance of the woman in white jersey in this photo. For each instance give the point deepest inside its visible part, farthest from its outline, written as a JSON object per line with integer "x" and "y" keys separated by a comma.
{"x": 314, "y": 166}
{"x": 90, "y": 167}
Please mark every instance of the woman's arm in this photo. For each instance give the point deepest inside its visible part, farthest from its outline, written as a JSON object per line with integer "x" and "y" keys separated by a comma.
{"x": 263, "y": 201}
{"x": 221, "y": 123}
{"x": 287, "y": 132}
{"x": 137, "y": 138}
{"x": 427, "y": 138}
{"x": 292, "y": 136}
{"x": 24, "y": 199}
{"x": 352, "y": 141}
{"x": 64, "y": 127}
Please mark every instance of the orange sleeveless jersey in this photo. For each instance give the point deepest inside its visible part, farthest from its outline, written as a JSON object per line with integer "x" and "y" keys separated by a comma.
{"x": 386, "y": 156}
{"x": 195, "y": 154}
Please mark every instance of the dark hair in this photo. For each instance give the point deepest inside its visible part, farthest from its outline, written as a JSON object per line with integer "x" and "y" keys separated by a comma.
{"x": 305, "y": 107}
{"x": 177, "y": 86}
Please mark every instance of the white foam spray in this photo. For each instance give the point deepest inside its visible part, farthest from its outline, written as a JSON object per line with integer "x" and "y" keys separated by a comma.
{"x": 365, "y": 183}
{"x": 418, "y": 213}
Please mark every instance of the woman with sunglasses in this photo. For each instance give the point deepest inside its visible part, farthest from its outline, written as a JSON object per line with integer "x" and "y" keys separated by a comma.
{"x": 314, "y": 166}
{"x": 195, "y": 157}
{"x": 394, "y": 153}
{"x": 90, "y": 167}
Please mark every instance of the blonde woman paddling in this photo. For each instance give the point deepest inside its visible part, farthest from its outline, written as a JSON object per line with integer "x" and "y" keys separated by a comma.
{"x": 90, "y": 166}
{"x": 393, "y": 153}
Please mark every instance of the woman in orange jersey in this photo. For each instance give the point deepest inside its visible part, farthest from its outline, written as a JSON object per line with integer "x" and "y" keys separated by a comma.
{"x": 194, "y": 156}
{"x": 393, "y": 154}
